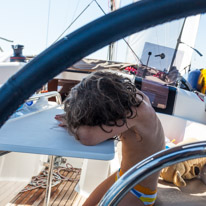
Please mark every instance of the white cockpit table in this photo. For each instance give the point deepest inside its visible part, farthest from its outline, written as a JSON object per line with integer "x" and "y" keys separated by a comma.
{"x": 39, "y": 133}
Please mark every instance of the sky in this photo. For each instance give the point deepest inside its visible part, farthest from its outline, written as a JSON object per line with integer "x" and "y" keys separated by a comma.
{"x": 36, "y": 24}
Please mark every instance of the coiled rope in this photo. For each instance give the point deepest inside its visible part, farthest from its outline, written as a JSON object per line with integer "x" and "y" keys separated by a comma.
{"x": 40, "y": 181}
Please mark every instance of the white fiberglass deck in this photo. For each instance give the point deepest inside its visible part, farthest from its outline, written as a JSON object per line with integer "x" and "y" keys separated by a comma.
{"x": 39, "y": 133}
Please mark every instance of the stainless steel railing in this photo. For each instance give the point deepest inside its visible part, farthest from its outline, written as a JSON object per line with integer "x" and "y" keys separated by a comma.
{"x": 47, "y": 95}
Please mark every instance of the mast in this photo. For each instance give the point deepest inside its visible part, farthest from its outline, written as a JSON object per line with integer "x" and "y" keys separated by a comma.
{"x": 114, "y": 5}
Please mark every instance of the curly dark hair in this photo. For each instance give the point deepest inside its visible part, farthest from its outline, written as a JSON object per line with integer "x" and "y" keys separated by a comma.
{"x": 101, "y": 98}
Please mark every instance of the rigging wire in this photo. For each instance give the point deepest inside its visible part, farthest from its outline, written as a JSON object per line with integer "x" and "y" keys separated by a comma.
{"x": 47, "y": 35}
{"x": 135, "y": 55}
{"x": 193, "y": 59}
{"x": 6, "y": 39}
{"x": 73, "y": 21}
{"x": 75, "y": 10}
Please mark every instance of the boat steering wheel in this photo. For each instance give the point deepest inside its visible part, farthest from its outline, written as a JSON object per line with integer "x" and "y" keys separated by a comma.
{"x": 82, "y": 42}
{"x": 149, "y": 166}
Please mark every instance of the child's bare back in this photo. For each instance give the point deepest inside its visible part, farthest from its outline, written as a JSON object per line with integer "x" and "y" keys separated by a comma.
{"x": 104, "y": 105}
{"x": 142, "y": 140}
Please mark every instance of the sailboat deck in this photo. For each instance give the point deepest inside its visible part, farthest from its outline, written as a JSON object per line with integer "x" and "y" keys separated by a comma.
{"x": 61, "y": 194}
{"x": 9, "y": 189}
{"x": 64, "y": 193}
{"x": 194, "y": 194}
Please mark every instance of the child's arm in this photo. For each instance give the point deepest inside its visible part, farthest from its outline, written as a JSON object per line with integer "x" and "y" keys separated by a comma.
{"x": 92, "y": 135}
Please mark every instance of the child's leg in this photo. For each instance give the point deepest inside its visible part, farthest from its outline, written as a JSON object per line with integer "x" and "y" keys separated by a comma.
{"x": 99, "y": 192}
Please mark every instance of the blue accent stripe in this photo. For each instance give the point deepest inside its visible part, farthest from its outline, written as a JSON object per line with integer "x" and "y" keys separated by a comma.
{"x": 136, "y": 193}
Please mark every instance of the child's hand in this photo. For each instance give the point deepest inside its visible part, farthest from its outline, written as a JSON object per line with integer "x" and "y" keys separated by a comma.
{"x": 61, "y": 118}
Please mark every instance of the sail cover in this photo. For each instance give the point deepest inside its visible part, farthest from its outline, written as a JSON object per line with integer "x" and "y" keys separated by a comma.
{"x": 97, "y": 64}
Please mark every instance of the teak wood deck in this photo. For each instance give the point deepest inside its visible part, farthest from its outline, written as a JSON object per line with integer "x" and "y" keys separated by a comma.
{"x": 61, "y": 194}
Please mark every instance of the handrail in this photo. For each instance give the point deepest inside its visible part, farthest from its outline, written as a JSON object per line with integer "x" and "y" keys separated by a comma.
{"x": 149, "y": 166}
{"x": 48, "y": 95}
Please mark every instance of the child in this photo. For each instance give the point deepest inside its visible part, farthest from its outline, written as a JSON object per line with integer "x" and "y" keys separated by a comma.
{"x": 104, "y": 105}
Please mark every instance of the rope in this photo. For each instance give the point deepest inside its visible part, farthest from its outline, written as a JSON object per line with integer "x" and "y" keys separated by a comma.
{"x": 40, "y": 181}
